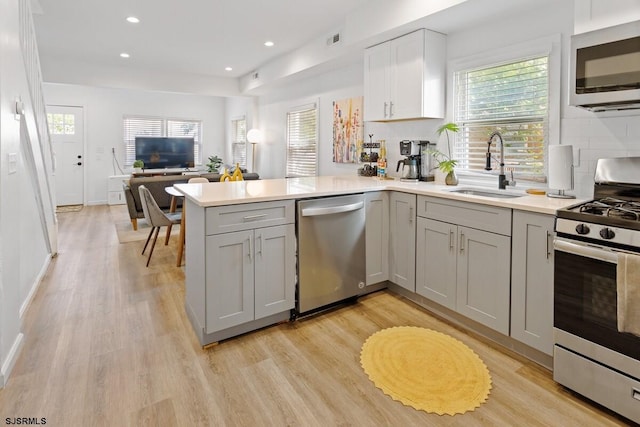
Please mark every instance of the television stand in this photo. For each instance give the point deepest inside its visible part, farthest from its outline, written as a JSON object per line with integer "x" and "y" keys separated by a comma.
{"x": 163, "y": 172}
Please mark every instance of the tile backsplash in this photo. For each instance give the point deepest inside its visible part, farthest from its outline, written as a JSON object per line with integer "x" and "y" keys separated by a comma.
{"x": 598, "y": 137}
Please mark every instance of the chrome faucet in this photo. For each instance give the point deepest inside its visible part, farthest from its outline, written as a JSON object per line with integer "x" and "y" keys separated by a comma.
{"x": 502, "y": 178}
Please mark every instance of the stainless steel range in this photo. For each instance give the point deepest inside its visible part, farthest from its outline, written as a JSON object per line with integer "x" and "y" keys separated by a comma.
{"x": 591, "y": 356}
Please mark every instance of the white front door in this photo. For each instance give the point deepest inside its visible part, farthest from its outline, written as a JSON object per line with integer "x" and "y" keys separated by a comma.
{"x": 67, "y": 136}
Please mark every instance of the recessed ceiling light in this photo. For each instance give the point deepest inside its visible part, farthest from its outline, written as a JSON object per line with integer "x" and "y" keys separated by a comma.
{"x": 228, "y": 69}
{"x": 133, "y": 19}
{"x": 124, "y": 55}
{"x": 269, "y": 44}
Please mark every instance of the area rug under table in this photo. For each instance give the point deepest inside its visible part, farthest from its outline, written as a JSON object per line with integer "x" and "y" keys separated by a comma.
{"x": 426, "y": 370}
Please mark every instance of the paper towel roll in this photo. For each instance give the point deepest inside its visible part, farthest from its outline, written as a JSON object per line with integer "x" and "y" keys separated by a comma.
{"x": 561, "y": 167}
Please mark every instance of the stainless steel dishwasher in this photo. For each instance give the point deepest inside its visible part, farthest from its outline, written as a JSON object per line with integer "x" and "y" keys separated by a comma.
{"x": 331, "y": 250}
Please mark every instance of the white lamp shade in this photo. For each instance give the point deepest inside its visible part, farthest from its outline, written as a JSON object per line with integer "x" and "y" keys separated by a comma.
{"x": 561, "y": 167}
{"x": 254, "y": 135}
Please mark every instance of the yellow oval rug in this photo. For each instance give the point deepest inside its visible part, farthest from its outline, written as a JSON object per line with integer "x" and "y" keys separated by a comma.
{"x": 426, "y": 370}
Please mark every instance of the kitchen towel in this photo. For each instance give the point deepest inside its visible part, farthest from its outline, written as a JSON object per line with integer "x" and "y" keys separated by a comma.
{"x": 628, "y": 278}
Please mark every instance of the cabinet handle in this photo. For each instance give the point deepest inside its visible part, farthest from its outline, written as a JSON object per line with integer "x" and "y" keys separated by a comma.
{"x": 253, "y": 217}
{"x": 461, "y": 242}
{"x": 250, "y": 249}
{"x": 385, "y": 109}
{"x": 548, "y": 235}
{"x": 410, "y": 214}
{"x": 390, "y": 109}
{"x": 450, "y": 239}
{"x": 259, "y": 251}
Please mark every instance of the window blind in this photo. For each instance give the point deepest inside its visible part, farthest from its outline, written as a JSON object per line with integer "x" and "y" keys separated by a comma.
{"x": 139, "y": 126}
{"x": 156, "y": 126}
{"x": 239, "y": 142}
{"x": 302, "y": 135}
{"x": 512, "y": 99}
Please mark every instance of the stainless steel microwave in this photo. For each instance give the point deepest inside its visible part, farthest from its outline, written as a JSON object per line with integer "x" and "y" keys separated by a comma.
{"x": 605, "y": 68}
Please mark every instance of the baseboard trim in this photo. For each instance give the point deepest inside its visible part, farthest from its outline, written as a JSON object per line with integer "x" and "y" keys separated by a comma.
{"x": 34, "y": 288}
{"x": 12, "y": 357}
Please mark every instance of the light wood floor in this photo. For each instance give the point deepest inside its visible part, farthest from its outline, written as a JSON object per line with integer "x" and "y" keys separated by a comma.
{"x": 108, "y": 343}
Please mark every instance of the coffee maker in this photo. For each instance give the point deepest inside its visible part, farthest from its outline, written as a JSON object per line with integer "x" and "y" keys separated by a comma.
{"x": 427, "y": 161}
{"x": 411, "y": 163}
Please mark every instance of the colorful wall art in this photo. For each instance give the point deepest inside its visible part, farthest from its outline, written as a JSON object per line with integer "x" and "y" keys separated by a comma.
{"x": 348, "y": 130}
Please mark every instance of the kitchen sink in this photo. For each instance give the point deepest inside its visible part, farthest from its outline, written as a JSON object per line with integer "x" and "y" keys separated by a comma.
{"x": 500, "y": 194}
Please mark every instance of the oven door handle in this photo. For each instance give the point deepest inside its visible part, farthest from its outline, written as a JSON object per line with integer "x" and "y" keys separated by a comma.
{"x": 588, "y": 251}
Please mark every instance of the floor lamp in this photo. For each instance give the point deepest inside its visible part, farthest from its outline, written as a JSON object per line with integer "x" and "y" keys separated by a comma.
{"x": 253, "y": 136}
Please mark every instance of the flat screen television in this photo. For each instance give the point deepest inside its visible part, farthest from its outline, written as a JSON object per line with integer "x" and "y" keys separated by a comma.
{"x": 165, "y": 152}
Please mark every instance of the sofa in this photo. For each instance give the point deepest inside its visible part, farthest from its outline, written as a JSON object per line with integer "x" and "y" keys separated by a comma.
{"x": 157, "y": 185}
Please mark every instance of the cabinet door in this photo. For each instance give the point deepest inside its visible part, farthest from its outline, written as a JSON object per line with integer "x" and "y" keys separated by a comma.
{"x": 402, "y": 233}
{"x": 275, "y": 270}
{"x": 406, "y": 79}
{"x": 376, "y": 82}
{"x": 229, "y": 280}
{"x": 483, "y": 277}
{"x": 532, "y": 280}
{"x": 377, "y": 236}
{"x": 436, "y": 261}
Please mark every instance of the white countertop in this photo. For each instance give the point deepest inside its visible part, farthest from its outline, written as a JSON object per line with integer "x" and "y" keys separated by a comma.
{"x": 232, "y": 193}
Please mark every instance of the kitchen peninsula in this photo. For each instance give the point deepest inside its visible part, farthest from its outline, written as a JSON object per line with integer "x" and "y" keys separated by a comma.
{"x": 241, "y": 251}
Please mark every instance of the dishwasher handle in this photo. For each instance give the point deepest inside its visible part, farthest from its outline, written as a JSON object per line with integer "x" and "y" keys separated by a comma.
{"x": 329, "y": 210}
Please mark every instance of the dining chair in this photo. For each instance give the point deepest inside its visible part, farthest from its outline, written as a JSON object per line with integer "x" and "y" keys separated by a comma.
{"x": 155, "y": 217}
{"x": 198, "y": 179}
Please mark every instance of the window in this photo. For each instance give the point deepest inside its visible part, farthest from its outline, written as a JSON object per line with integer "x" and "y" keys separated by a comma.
{"x": 154, "y": 126}
{"x": 302, "y": 141}
{"x": 239, "y": 141}
{"x": 61, "y": 124}
{"x": 512, "y": 98}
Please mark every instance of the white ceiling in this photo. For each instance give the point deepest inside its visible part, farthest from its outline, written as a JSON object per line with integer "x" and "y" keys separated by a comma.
{"x": 192, "y": 36}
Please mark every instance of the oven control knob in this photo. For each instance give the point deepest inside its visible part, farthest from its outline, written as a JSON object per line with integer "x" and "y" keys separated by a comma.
{"x": 582, "y": 229}
{"x": 607, "y": 233}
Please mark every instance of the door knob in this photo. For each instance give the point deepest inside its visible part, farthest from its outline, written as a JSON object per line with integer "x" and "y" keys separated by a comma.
{"x": 79, "y": 163}
{"x": 79, "y": 156}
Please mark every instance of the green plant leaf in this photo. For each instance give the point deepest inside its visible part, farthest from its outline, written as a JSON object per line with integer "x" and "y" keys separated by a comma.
{"x": 451, "y": 127}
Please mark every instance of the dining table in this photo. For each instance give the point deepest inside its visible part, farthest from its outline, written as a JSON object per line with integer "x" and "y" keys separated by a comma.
{"x": 175, "y": 194}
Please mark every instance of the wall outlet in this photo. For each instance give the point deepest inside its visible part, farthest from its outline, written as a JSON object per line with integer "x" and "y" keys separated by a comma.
{"x": 12, "y": 160}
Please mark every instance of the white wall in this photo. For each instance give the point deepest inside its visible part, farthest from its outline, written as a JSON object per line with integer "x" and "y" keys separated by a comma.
{"x": 104, "y": 110}
{"x": 23, "y": 252}
{"x": 593, "y": 135}
{"x": 236, "y": 108}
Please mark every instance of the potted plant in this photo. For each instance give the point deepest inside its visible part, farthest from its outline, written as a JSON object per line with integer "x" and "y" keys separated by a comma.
{"x": 445, "y": 163}
{"x": 214, "y": 164}
{"x": 138, "y": 165}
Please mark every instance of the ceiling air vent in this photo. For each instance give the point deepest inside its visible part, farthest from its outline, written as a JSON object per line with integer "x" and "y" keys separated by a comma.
{"x": 333, "y": 39}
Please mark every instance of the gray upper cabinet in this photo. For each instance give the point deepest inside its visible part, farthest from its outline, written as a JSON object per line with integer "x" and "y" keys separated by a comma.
{"x": 532, "y": 280}
{"x": 404, "y": 78}
{"x": 377, "y": 236}
{"x": 402, "y": 231}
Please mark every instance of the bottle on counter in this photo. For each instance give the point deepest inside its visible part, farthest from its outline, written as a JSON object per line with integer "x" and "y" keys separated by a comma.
{"x": 382, "y": 160}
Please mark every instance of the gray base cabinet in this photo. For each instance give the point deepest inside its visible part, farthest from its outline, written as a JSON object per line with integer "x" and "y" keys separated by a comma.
{"x": 377, "y": 236}
{"x": 402, "y": 237}
{"x": 483, "y": 277}
{"x": 241, "y": 267}
{"x": 436, "y": 261}
{"x": 250, "y": 275}
{"x": 462, "y": 267}
{"x": 532, "y": 280}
